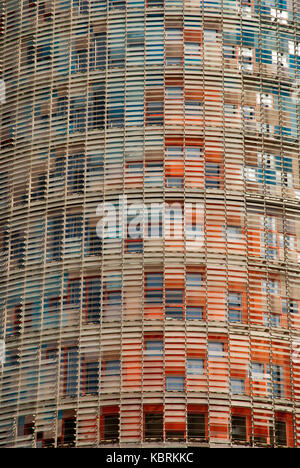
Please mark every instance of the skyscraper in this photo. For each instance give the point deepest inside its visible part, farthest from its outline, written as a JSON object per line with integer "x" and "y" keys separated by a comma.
{"x": 174, "y": 321}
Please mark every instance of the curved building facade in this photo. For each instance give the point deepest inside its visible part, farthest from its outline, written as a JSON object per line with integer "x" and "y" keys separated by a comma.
{"x": 150, "y": 223}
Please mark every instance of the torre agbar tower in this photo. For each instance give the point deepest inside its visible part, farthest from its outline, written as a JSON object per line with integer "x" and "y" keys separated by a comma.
{"x": 179, "y": 110}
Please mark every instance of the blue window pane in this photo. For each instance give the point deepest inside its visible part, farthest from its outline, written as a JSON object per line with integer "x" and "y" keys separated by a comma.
{"x": 194, "y": 313}
{"x": 112, "y": 368}
{"x": 175, "y": 384}
{"x": 195, "y": 366}
{"x": 194, "y": 280}
{"x": 154, "y": 347}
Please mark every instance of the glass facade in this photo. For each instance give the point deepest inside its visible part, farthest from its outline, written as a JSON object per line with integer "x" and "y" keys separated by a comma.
{"x": 129, "y": 340}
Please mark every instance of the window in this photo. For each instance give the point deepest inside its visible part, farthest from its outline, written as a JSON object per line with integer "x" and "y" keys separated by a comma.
{"x": 92, "y": 296}
{"x": 246, "y": 59}
{"x": 268, "y": 161}
{"x": 280, "y": 438}
{"x": 287, "y": 240}
{"x": 270, "y": 238}
{"x": 258, "y": 371}
{"x": 135, "y": 40}
{"x": 290, "y": 305}
{"x": 174, "y": 383}
{"x": 153, "y": 347}
{"x": 77, "y": 115}
{"x": 113, "y": 306}
{"x": 55, "y": 226}
{"x": 13, "y": 321}
{"x": 175, "y": 435}
{"x": 51, "y": 314}
{"x": 216, "y": 349}
{"x": 272, "y": 320}
{"x": 211, "y": 35}
{"x": 43, "y": 52}
{"x": 134, "y": 241}
{"x": 193, "y": 152}
{"x": 74, "y": 292}
{"x": 248, "y": 113}
{"x": 17, "y": 247}
{"x": 155, "y": 224}
{"x": 174, "y": 303}
{"x": 265, "y": 128}
{"x": 196, "y": 425}
{"x": 93, "y": 243}
{"x": 50, "y": 354}
{"x": 154, "y": 173}
{"x": 61, "y": 107}
{"x": 97, "y": 107}
{"x": 39, "y": 188}
{"x": 195, "y": 366}
{"x": 153, "y": 426}
{"x": 70, "y": 370}
{"x": 174, "y": 34}
{"x": 81, "y": 6}
{"x": 287, "y": 179}
{"x": 98, "y": 58}
{"x": 76, "y": 173}
{"x": 192, "y": 48}
{"x": 73, "y": 227}
{"x": 279, "y": 15}
{"x": 111, "y": 368}
{"x": 155, "y": 113}
{"x": 134, "y": 245}
{"x": 29, "y": 316}
{"x": 294, "y": 49}
{"x": 229, "y": 51}
{"x": 135, "y": 169}
{"x": 16, "y": 325}
{"x": 174, "y": 182}
{"x": 173, "y": 61}
{"x": 251, "y": 173}
{"x": 271, "y": 286}
{"x": 193, "y": 108}
{"x": 212, "y": 175}
{"x": 194, "y": 313}
{"x": 59, "y": 169}
{"x": 115, "y": 113}
{"x": 30, "y": 52}
{"x": 91, "y": 377}
{"x": 155, "y": 3}
{"x": 273, "y": 375}
{"x": 119, "y": 4}
{"x": 116, "y": 56}
{"x": 111, "y": 427}
{"x": 234, "y": 307}
{"x": 154, "y": 288}
{"x": 81, "y": 61}
{"x": 68, "y": 431}
{"x": 277, "y": 386}
{"x": 246, "y": 10}
{"x": 237, "y": 386}
{"x": 234, "y": 233}
{"x": 230, "y": 110}
{"x": 174, "y": 92}
{"x": 25, "y": 425}
{"x": 238, "y": 428}
{"x": 265, "y": 100}
{"x": 194, "y": 280}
